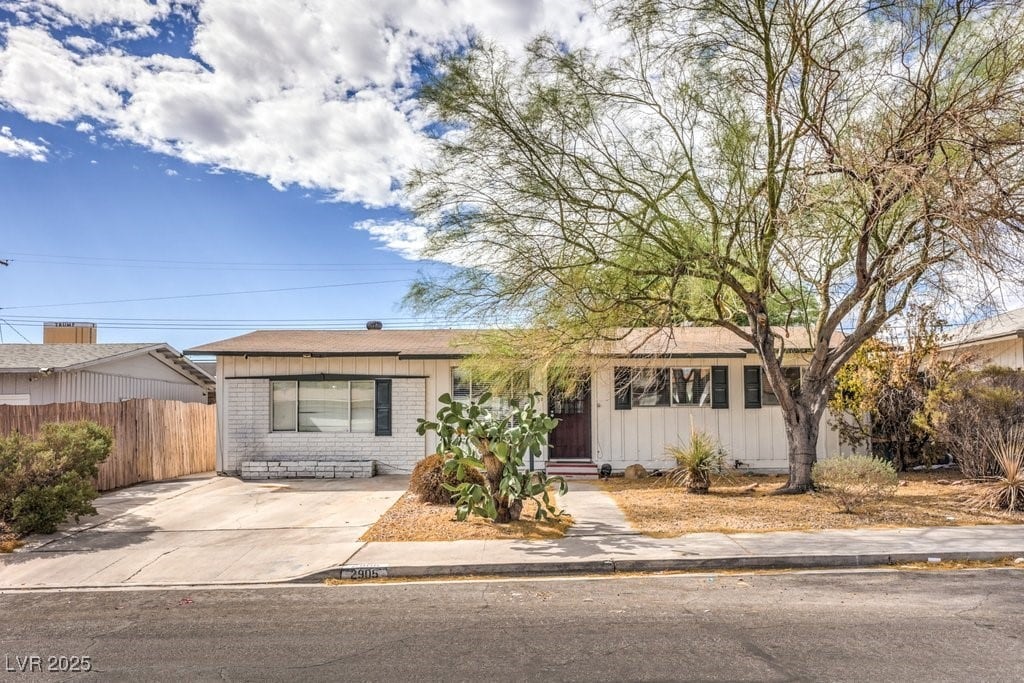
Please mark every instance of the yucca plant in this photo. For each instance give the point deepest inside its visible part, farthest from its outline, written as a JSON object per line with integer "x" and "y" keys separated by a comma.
{"x": 696, "y": 462}
{"x": 1006, "y": 490}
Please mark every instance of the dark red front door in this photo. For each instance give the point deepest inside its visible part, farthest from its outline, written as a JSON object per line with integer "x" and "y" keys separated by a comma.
{"x": 571, "y": 438}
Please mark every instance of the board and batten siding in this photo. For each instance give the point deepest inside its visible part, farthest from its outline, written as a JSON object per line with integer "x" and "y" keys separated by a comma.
{"x": 98, "y": 386}
{"x": 754, "y": 436}
{"x": 1006, "y": 353}
{"x": 243, "y": 406}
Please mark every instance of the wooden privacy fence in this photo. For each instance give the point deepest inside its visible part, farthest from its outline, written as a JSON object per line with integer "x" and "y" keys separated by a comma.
{"x": 153, "y": 440}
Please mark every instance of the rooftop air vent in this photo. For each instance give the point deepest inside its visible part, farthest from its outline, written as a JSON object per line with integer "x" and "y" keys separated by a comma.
{"x": 374, "y": 325}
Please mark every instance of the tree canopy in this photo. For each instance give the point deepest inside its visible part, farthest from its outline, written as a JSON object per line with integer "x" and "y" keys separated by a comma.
{"x": 732, "y": 163}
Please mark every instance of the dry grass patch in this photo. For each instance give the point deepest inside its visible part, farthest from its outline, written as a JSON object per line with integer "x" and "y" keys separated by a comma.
{"x": 945, "y": 565}
{"x": 665, "y": 511}
{"x": 412, "y": 520}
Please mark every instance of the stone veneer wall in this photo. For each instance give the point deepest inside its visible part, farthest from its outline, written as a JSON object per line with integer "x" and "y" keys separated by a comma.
{"x": 248, "y": 438}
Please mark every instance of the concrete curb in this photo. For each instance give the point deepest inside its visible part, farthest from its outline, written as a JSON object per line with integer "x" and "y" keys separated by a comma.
{"x": 611, "y": 566}
{"x": 587, "y": 567}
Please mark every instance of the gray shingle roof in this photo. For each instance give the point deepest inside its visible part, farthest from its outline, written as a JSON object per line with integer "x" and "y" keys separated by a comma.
{"x": 57, "y": 356}
{"x": 679, "y": 341}
{"x": 342, "y": 342}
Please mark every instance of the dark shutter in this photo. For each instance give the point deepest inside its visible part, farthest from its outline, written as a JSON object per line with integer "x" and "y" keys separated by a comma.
{"x": 719, "y": 386}
{"x": 751, "y": 386}
{"x": 382, "y": 407}
{"x": 623, "y": 395}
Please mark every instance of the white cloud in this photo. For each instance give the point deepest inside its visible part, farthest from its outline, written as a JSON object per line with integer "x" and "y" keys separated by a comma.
{"x": 17, "y": 147}
{"x": 82, "y": 43}
{"x": 313, "y": 95}
{"x": 407, "y": 238}
{"x": 84, "y": 127}
{"x": 170, "y": 172}
{"x": 91, "y": 12}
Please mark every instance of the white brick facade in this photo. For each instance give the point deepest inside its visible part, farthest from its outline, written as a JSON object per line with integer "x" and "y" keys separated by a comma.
{"x": 247, "y": 436}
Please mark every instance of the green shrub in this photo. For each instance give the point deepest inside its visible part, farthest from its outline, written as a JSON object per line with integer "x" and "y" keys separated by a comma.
{"x": 429, "y": 478}
{"x": 696, "y": 462}
{"x": 46, "y": 480}
{"x": 854, "y": 481}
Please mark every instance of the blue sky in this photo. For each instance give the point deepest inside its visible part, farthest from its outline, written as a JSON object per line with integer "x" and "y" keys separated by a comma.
{"x": 117, "y": 202}
{"x": 169, "y": 148}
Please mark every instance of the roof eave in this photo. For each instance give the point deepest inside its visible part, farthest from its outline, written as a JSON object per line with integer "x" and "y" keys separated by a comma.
{"x": 1012, "y": 334}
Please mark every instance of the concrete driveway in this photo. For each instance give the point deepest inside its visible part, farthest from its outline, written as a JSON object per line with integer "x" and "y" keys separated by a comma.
{"x": 209, "y": 530}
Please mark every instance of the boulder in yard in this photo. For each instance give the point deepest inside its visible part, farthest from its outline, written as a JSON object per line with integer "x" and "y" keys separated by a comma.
{"x": 636, "y": 471}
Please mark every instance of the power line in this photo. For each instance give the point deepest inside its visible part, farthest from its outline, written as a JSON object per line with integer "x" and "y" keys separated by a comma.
{"x": 210, "y": 294}
{"x": 34, "y": 318}
{"x": 240, "y": 268}
{"x": 178, "y": 262}
{"x": 16, "y": 331}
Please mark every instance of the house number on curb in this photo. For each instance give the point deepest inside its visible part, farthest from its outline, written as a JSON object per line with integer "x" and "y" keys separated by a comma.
{"x": 364, "y": 571}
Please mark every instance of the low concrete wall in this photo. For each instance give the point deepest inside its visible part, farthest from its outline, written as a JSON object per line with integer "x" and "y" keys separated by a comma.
{"x": 308, "y": 469}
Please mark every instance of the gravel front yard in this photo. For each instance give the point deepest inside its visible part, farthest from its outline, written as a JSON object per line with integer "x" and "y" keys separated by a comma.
{"x": 411, "y": 520}
{"x": 659, "y": 510}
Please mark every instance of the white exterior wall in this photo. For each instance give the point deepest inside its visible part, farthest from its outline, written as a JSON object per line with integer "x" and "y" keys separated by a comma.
{"x": 619, "y": 437}
{"x": 432, "y": 377}
{"x": 754, "y": 436}
{"x": 248, "y": 436}
{"x": 1007, "y": 353}
{"x": 104, "y": 384}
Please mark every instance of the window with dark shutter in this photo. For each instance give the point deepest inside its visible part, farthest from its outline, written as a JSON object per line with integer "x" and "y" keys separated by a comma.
{"x": 623, "y": 394}
{"x": 751, "y": 386}
{"x": 382, "y": 408}
{"x": 719, "y": 386}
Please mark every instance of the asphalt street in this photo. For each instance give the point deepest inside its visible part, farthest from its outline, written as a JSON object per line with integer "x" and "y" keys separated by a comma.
{"x": 852, "y": 626}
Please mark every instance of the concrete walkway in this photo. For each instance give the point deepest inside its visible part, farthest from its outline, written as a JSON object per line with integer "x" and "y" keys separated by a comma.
{"x": 206, "y": 530}
{"x": 602, "y": 540}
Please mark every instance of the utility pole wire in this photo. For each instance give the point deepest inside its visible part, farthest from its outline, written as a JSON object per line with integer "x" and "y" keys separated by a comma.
{"x": 16, "y": 331}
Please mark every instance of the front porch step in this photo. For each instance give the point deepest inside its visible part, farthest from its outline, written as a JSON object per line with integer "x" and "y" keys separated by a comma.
{"x": 572, "y": 469}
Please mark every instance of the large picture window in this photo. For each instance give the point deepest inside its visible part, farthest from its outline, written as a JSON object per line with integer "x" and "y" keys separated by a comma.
{"x": 325, "y": 406}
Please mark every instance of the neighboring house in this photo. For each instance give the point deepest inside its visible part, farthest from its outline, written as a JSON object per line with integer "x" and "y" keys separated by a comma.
{"x": 33, "y": 374}
{"x": 346, "y": 403}
{"x": 998, "y": 340}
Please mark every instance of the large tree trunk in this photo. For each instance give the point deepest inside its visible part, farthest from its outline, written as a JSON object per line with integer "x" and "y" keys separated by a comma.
{"x": 802, "y": 436}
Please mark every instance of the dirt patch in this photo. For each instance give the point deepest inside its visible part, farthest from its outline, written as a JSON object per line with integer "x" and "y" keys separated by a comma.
{"x": 410, "y": 520}
{"x": 8, "y": 540}
{"x": 927, "y": 499}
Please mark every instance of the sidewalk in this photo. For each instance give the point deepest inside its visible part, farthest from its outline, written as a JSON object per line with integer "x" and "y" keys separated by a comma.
{"x": 220, "y": 531}
{"x": 602, "y": 541}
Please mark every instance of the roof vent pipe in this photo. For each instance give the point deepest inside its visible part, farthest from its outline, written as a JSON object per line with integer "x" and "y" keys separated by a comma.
{"x": 374, "y": 325}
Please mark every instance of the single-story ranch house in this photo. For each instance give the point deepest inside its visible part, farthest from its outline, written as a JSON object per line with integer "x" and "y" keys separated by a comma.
{"x": 346, "y": 403}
